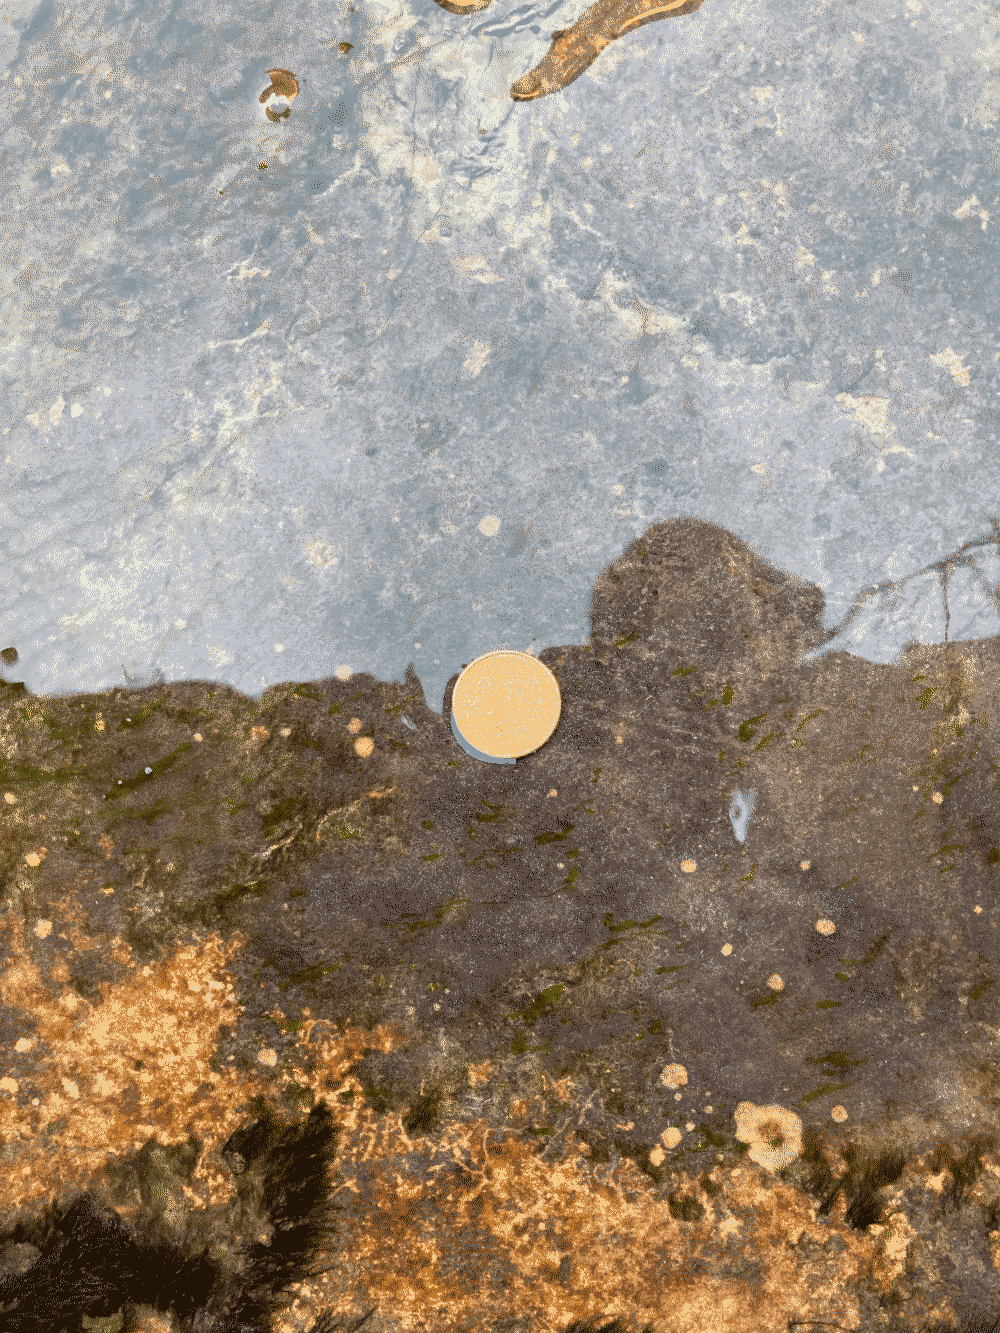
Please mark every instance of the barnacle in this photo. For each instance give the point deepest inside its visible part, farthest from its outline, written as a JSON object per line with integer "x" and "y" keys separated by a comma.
{"x": 773, "y": 1133}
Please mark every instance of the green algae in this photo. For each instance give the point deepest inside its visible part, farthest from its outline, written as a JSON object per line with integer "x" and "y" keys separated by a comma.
{"x": 157, "y": 767}
{"x": 809, "y": 717}
{"x": 438, "y": 917}
{"x": 747, "y": 728}
{"x": 299, "y": 1094}
{"x": 496, "y": 813}
{"x": 609, "y": 921}
{"x": 396, "y": 710}
{"x": 725, "y": 700}
{"x": 139, "y": 716}
{"x": 29, "y": 775}
{"x": 542, "y": 838}
{"x": 821, "y": 1092}
{"x": 500, "y": 852}
{"x": 541, "y": 1004}
{"x": 876, "y": 947}
{"x": 230, "y": 897}
{"x": 766, "y": 740}
{"x": 283, "y": 811}
{"x": 161, "y": 806}
{"x": 379, "y": 1098}
{"x": 628, "y": 925}
{"x": 310, "y": 975}
{"x": 519, "y": 1046}
{"x": 835, "y": 1063}
{"x": 948, "y": 847}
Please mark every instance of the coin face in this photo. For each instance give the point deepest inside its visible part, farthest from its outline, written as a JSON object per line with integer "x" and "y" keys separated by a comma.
{"x": 506, "y": 703}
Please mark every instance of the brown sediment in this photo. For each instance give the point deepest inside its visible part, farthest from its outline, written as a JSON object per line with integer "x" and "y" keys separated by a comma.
{"x": 575, "y": 49}
{"x": 207, "y": 897}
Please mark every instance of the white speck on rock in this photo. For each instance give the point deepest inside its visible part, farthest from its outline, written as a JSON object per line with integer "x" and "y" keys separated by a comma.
{"x": 741, "y": 810}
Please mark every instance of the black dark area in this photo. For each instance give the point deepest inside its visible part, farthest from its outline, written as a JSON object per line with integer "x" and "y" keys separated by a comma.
{"x": 80, "y": 1259}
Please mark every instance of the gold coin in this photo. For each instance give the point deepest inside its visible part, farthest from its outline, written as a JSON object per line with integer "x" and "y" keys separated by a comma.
{"x": 506, "y": 704}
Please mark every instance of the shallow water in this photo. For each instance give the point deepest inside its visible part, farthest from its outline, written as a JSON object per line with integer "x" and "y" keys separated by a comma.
{"x": 267, "y": 379}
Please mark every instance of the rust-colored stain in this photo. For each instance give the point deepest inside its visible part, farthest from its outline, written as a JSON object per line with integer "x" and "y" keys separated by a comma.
{"x": 110, "y": 1074}
{"x": 486, "y": 1223}
{"x": 489, "y": 1226}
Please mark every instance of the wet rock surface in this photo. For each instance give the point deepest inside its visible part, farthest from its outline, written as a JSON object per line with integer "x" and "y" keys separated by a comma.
{"x": 484, "y": 973}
